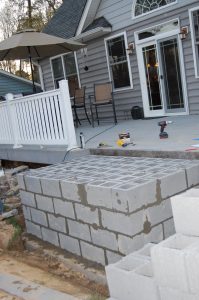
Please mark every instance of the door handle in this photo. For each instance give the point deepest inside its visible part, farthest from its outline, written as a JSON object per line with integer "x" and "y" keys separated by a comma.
{"x": 161, "y": 77}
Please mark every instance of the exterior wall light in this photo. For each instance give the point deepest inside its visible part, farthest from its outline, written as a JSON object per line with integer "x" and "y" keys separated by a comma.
{"x": 131, "y": 47}
{"x": 184, "y": 32}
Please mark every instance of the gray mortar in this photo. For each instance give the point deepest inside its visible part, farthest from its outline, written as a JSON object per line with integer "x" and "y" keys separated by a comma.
{"x": 109, "y": 206}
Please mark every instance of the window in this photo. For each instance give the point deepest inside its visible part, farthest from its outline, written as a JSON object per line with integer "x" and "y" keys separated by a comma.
{"x": 146, "y": 6}
{"x": 118, "y": 62}
{"x": 195, "y": 38}
{"x": 64, "y": 67}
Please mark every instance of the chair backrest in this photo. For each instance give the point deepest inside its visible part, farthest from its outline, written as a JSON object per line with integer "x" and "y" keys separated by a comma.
{"x": 103, "y": 92}
{"x": 79, "y": 97}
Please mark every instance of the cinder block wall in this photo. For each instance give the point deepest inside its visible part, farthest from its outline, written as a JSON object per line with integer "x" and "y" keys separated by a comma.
{"x": 95, "y": 220}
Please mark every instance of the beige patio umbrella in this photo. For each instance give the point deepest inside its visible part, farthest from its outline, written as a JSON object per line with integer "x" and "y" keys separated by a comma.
{"x": 34, "y": 45}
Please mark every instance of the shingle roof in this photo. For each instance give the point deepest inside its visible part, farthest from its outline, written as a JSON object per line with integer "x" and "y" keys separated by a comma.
{"x": 65, "y": 21}
{"x": 99, "y": 22}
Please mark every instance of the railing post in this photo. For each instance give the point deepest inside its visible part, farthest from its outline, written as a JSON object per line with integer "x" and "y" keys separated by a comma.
{"x": 67, "y": 115}
{"x": 12, "y": 121}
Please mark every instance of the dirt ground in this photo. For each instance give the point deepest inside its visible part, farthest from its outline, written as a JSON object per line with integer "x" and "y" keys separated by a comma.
{"x": 34, "y": 266}
{"x": 52, "y": 275}
{"x": 5, "y": 296}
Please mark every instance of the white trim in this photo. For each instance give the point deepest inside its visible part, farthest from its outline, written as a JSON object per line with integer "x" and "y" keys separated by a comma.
{"x": 196, "y": 67}
{"x": 142, "y": 43}
{"x": 128, "y": 61}
{"x": 40, "y": 75}
{"x": 163, "y": 34}
{"x": 18, "y": 77}
{"x": 62, "y": 60}
{"x": 91, "y": 34}
{"x": 150, "y": 12}
{"x": 84, "y": 16}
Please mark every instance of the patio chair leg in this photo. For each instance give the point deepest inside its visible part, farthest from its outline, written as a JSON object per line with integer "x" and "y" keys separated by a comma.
{"x": 97, "y": 114}
{"x": 87, "y": 115}
{"x": 92, "y": 119}
{"x": 76, "y": 118}
{"x": 114, "y": 112}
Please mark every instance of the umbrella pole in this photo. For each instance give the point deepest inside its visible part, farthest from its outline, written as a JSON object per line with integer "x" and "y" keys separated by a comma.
{"x": 32, "y": 73}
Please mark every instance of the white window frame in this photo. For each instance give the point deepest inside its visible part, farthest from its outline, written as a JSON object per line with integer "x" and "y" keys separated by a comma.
{"x": 150, "y": 12}
{"x": 196, "y": 66}
{"x": 128, "y": 61}
{"x": 62, "y": 60}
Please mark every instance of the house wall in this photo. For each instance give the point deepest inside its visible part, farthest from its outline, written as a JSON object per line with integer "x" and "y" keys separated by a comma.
{"x": 119, "y": 14}
{"x": 14, "y": 86}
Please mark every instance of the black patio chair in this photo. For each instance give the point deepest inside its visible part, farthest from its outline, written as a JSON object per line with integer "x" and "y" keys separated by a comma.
{"x": 103, "y": 95}
{"x": 79, "y": 102}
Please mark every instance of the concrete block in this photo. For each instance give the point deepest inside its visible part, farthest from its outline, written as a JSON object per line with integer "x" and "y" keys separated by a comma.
{"x": 171, "y": 294}
{"x": 99, "y": 196}
{"x": 27, "y": 198}
{"x": 64, "y": 208}
{"x": 169, "y": 228}
{"x": 70, "y": 191}
{"x": 155, "y": 235}
{"x": 33, "y": 184}
{"x": 127, "y": 245}
{"x": 144, "y": 252}
{"x": 51, "y": 187}
{"x": 87, "y": 214}
{"x": 79, "y": 230}
{"x": 168, "y": 258}
{"x": 39, "y": 217}
{"x": 33, "y": 229}
{"x": 173, "y": 184}
{"x": 185, "y": 213}
{"x": 69, "y": 244}
{"x": 160, "y": 212}
{"x": 104, "y": 239}
{"x": 118, "y": 222}
{"x": 192, "y": 264}
{"x": 192, "y": 175}
{"x": 92, "y": 253}
{"x": 50, "y": 236}
{"x": 191, "y": 193}
{"x": 20, "y": 180}
{"x": 132, "y": 198}
{"x": 45, "y": 203}
{"x": 112, "y": 257}
{"x": 26, "y": 213}
{"x": 122, "y": 280}
{"x": 57, "y": 223}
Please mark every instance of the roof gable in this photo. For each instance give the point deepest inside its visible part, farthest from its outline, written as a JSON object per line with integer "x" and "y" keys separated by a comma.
{"x": 66, "y": 20}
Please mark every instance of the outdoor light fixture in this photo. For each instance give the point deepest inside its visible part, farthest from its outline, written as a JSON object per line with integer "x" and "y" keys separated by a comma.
{"x": 184, "y": 32}
{"x": 131, "y": 47}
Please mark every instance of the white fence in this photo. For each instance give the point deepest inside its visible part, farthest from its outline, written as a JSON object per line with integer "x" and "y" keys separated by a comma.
{"x": 39, "y": 119}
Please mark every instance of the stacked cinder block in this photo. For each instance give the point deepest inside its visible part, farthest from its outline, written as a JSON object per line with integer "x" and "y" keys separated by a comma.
{"x": 103, "y": 208}
{"x": 172, "y": 271}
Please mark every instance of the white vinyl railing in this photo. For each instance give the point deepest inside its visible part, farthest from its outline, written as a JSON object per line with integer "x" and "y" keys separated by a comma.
{"x": 39, "y": 119}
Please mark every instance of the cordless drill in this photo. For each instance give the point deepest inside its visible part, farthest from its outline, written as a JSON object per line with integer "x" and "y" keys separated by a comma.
{"x": 163, "y": 125}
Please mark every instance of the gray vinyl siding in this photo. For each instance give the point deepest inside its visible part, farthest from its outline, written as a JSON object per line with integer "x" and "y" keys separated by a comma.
{"x": 119, "y": 14}
{"x": 47, "y": 74}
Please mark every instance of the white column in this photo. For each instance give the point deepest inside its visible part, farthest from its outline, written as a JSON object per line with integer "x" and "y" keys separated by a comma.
{"x": 67, "y": 114}
{"x": 13, "y": 121}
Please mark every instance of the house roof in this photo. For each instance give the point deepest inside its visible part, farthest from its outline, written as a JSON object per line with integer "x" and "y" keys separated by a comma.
{"x": 99, "y": 22}
{"x": 66, "y": 20}
{"x": 8, "y": 74}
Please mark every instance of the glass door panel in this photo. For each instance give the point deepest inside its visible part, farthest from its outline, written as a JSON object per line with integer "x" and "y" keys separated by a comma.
{"x": 171, "y": 75}
{"x": 151, "y": 66}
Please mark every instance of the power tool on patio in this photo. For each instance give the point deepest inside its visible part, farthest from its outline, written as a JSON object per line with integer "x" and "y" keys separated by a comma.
{"x": 163, "y": 125}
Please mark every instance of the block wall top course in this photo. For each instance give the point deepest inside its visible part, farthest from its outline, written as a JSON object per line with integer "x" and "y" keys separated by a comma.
{"x": 115, "y": 174}
{"x": 118, "y": 170}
